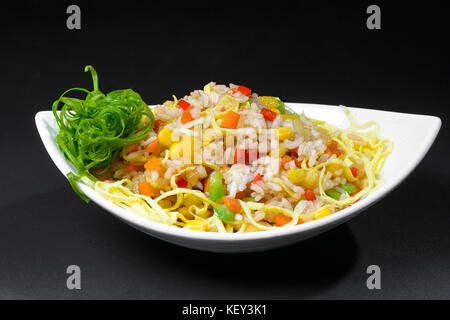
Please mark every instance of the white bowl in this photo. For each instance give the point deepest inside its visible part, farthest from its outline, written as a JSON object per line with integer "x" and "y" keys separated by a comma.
{"x": 412, "y": 136}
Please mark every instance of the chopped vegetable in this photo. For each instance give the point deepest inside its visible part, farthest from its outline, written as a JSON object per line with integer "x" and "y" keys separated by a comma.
{"x": 246, "y": 199}
{"x": 216, "y": 189}
{"x": 186, "y": 117}
{"x": 223, "y": 213}
{"x": 181, "y": 182}
{"x": 284, "y": 133}
{"x": 152, "y": 146}
{"x": 305, "y": 177}
{"x": 282, "y": 107}
{"x": 92, "y": 131}
{"x": 348, "y": 187}
{"x": 322, "y": 213}
{"x": 133, "y": 148}
{"x": 333, "y": 193}
{"x": 309, "y": 195}
{"x": 244, "y": 90}
{"x": 230, "y": 120}
{"x": 354, "y": 171}
{"x": 146, "y": 189}
{"x": 183, "y": 104}
{"x": 281, "y": 219}
{"x": 165, "y": 137}
{"x": 269, "y": 115}
{"x": 153, "y": 164}
{"x": 270, "y": 102}
{"x": 130, "y": 168}
{"x": 206, "y": 184}
{"x": 176, "y": 151}
{"x": 284, "y": 160}
{"x": 157, "y": 125}
{"x": 257, "y": 178}
{"x": 232, "y": 204}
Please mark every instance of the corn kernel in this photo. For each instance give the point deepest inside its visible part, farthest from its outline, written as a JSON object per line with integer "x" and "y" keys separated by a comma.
{"x": 176, "y": 151}
{"x": 284, "y": 133}
{"x": 322, "y": 213}
{"x": 165, "y": 137}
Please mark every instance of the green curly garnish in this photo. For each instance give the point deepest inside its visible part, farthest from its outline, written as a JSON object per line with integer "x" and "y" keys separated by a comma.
{"x": 94, "y": 130}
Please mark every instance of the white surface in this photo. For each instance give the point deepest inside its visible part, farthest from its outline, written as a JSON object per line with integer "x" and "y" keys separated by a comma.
{"x": 411, "y": 135}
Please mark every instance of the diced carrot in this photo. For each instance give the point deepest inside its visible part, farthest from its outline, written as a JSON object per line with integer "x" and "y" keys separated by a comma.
{"x": 240, "y": 194}
{"x": 151, "y": 147}
{"x": 133, "y": 148}
{"x": 244, "y": 90}
{"x": 300, "y": 221}
{"x": 281, "y": 219}
{"x": 232, "y": 204}
{"x": 130, "y": 168}
{"x": 354, "y": 171}
{"x": 146, "y": 189}
{"x": 187, "y": 116}
{"x": 257, "y": 178}
{"x": 269, "y": 115}
{"x": 285, "y": 159}
{"x": 206, "y": 185}
{"x": 153, "y": 163}
{"x": 309, "y": 195}
{"x": 183, "y": 104}
{"x": 230, "y": 120}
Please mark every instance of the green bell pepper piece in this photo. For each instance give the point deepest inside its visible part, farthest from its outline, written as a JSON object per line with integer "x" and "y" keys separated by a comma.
{"x": 216, "y": 189}
{"x": 332, "y": 193}
{"x": 223, "y": 213}
{"x": 348, "y": 187}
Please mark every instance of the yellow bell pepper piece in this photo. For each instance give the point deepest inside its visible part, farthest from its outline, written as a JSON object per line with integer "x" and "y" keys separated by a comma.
{"x": 322, "y": 213}
{"x": 304, "y": 177}
{"x": 228, "y": 102}
{"x": 270, "y": 102}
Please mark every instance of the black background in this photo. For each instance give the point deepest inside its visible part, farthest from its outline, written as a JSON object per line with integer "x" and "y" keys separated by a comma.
{"x": 317, "y": 52}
